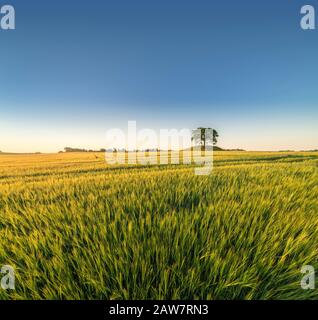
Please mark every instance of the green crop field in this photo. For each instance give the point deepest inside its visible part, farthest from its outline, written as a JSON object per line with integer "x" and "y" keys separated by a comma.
{"x": 74, "y": 227}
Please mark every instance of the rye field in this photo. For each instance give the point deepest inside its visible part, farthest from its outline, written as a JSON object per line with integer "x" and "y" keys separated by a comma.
{"x": 74, "y": 227}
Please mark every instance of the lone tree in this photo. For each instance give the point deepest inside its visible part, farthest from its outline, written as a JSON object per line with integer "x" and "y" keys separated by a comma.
{"x": 204, "y": 137}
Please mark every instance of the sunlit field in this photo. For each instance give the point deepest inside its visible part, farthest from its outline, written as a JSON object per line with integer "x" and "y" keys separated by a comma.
{"x": 74, "y": 227}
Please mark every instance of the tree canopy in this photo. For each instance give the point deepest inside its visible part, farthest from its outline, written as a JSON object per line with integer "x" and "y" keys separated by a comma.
{"x": 204, "y": 137}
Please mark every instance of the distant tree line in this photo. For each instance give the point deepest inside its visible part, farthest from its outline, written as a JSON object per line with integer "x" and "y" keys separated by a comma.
{"x": 202, "y": 138}
{"x": 69, "y": 149}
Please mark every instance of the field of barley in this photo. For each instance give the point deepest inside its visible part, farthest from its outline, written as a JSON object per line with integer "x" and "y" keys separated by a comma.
{"x": 74, "y": 227}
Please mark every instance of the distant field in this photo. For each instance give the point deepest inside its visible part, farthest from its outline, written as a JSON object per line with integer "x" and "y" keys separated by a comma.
{"x": 76, "y": 228}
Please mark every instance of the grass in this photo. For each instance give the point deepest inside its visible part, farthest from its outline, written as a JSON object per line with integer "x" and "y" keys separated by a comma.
{"x": 76, "y": 228}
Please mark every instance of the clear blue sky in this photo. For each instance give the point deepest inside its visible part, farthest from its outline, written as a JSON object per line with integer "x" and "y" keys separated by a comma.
{"x": 73, "y": 69}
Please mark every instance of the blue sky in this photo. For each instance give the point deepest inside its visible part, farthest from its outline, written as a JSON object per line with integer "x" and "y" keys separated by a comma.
{"x": 74, "y": 69}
